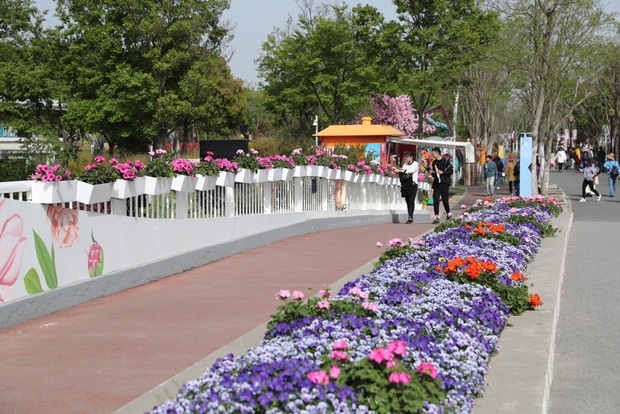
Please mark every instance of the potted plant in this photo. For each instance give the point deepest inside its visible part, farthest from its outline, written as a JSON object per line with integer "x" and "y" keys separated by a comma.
{"x": 228, "y": 172}
{"x": 184, "y": 180}
{"x": 283, "y": 167}
{"x": 52, "y": 184}
{"x": 248, "y": 166}
{"x": 340, "y": 163}
{"x": 207, "y": 172}
{"x": 129, "y": 182}
{"x": 321, "y": 162}
{"x": 95, "y": 183}
{"x": 157, "y": 173}
{"x": 302, "y": 165}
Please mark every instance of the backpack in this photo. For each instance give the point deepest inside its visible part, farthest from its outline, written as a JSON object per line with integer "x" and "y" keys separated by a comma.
{"x": 614, "y": 172}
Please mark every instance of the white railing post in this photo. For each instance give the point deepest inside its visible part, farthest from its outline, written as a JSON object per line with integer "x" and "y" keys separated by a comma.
{"x": 267, "y": 188}
{"x": 229, "y": 201}
{"x": 299, "y": 194}
{"x": 323, "y": 184}
{"x": 182, "y": 205}
{"x": 119, "y": 206}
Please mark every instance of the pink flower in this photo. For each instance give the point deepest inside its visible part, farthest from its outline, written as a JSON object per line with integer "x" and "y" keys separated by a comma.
{"x": 400, "y": 378}
{"x": 396, "y": 242}
{"x": 325, "y": 293}
{"x": 334, "y": 372}
{"x": 99, "y": 158}
{"x": 428, "y": 368}
{"x": 283, "y": 294}
{"x": 12, "y": 246}
{"x": 369, "y": 306}
{"x": 297, "y": 295}
{"x": 324, "y": 304}
{"x": 64, "y": 222}
{"x": 90, "y": 167}
{"x": 397, "y": 347}
{"x": 380, "y": 355}
{"x": 463, "y": 206}
{"x": 392, "y": 363}
{"x": 340, "y": 345}
{"x": 95, "y": 260}
{"x": 339, "y": 356}
{"x": 318, "y": 377}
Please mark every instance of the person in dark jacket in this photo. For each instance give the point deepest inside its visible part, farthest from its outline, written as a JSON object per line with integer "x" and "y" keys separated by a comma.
{"x": 441, "y": 168}
{"x": 499, "y": 163}
{"x": 409, "y": 182}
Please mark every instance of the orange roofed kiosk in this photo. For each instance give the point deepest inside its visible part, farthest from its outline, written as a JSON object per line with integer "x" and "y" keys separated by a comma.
{"x": 373, "y": 137}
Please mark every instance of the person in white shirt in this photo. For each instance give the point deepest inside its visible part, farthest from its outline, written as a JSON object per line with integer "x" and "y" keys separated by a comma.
{"x": 560, "y": 158}
{"x": 409, "y": 182}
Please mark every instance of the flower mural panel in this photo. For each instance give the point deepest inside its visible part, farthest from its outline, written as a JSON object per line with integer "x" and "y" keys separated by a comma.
{"x": 64, "y": 223}
{"x": 12, "y": 247}
{"x": 95, "y": 258}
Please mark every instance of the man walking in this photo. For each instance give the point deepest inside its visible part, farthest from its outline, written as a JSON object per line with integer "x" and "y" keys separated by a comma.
{"x": 560, "y": 158}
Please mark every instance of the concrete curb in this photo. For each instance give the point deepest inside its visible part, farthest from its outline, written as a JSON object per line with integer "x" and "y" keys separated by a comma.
{"x": 520, "y": 376}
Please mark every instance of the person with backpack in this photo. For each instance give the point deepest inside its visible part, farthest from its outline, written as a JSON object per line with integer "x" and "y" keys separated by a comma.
{"x": 590, "y": 172}
{"x": 489, "y": 173}
{"x": 613, "y": 170}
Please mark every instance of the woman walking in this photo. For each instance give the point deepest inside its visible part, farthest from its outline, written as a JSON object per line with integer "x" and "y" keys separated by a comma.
{"x": 489, "y": 172}
{"x": 613, "y": 170}
{"x": 442, "y": 170}
{"x": 409, "y": 183}
{"x": 589, "y": 174}
{"x": 510, "y": 174}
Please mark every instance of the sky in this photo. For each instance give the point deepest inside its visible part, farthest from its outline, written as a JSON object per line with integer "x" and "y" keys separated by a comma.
{"x": 253, "y": 20}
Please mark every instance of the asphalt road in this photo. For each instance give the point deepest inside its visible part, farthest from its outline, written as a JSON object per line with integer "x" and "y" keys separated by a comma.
{"x": 587, "y": 361}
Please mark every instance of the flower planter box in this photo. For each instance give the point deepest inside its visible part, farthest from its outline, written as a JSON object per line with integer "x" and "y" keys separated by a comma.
{"x": 349, "y": 176}
{"x": 262, "y": 176}
{"x": 280, "y": 174}
{"x": 225, "y": 179}
{"x": 357, "y": 178}
{"x": 245, "y": 176}
{"x": 322, "y": 172}
{"x": 365, "y": 178}
{"x": 156, "y": 185}
{"x": 127, "y": 188}
{"x": 424, "y": 186}
{"x": 302, "y": 171}
{"x": 184, "y": 183}
{"x": 53, "y": 192}
{"x": 93, "y": 193}
{"x": 206, "y": 182}
{"x": 336, "y": 174}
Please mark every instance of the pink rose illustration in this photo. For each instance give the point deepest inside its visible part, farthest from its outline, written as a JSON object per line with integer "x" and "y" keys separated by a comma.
{"x": 95, "y": 260}
{"x": 64, "y": 223}
{"x": 12, "y": 245}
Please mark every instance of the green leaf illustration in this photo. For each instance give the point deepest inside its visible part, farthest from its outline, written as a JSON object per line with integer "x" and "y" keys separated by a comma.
{"x": 46, "y": 262}
{"x": 32, "y": 282}
{"x": 99, "y": 270}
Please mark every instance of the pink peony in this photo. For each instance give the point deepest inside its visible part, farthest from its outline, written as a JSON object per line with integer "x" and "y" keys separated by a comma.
{"x": 297, "y": 295}
{"x": 339, "y": 356}
{"x": 283, "y": 294}
{"x": 324, "y": 304}
{"x": 340, "y": 345}
{"x": 334, "y": 372}
{"x": 397, "y": 347}
{"x": 380, "y": 355}
{"x": 318, "y": 377}
{"x": 400, "y": 378}
{"x": 428, "y": 368}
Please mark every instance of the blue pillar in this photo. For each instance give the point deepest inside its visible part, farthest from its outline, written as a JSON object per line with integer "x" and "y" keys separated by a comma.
{"x": 525, "y": 171}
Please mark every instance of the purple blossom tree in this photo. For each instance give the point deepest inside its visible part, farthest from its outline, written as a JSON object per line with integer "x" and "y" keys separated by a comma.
{"x": 398, "y": 112}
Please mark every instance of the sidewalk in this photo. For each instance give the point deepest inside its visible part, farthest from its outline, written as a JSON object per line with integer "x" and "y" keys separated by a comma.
{"x": 99, "y": 356}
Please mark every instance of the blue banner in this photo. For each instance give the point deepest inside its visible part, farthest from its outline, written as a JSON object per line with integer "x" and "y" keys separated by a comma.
{"x": 525, "y": 170}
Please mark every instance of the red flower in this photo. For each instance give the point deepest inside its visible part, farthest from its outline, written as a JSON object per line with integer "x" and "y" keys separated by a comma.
{"x": 518, "y": 276}
{"x": 535, "y": 301}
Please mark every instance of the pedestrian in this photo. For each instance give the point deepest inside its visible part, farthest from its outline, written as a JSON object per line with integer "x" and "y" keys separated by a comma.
{"x": 441, "y": 168}
{"x": 589, "y": 174}
{"x": 500, "y": 170}
{"x": 510, "y": 174}
{"x": 489, "y": 172}
{"x": 408, "y": 182}
{"x": 560, "y": 158}
{"x": 613, "y": 170}
{"x": 517, "y": 178}
{"x": 601, "y": 156}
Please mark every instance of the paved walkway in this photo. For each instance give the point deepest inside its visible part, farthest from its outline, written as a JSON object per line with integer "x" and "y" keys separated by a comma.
{"x": 587, "y": 363}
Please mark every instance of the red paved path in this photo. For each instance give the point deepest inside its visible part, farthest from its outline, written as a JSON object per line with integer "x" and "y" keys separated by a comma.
{"x": 99, "y": 356}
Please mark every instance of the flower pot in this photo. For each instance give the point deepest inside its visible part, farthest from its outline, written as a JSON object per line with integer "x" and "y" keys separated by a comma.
{"x": 322, "y": 172}
{"x": 302, "y": 171}
{"x": 184, "y": 183}
{"x": 53, "y": 192}
{"x": 349, "y": 176}
{"x": 262, "y": 176}
{"x": 245, "y": 176}
{"x": 125, "y": 188}
{"x": 280, "y": 174}
{"x": 156, "y": 185}
{"x": 206, "y": 182}
{"x": 365, "y": 179}
{"x": 357, "y": 178}
{"x": 225, "y": 179}
{"x": 93, "y": 193}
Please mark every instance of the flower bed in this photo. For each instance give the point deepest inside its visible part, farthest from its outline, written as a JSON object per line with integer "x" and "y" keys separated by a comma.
{"x": 414, "y": 335}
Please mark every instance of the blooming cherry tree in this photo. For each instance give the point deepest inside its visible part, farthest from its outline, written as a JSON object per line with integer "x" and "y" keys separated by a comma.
{"x": 398, "y": 112}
